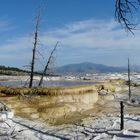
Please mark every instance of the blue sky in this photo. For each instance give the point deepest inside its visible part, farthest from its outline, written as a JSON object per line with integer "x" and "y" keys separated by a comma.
{"x": 86, "y": 29}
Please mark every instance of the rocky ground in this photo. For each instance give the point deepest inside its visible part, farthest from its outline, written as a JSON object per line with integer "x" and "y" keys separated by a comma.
{"x": 101, "y": 122}
{"x": 105, "y": 127}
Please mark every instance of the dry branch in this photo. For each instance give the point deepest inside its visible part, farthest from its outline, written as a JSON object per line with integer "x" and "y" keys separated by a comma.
{"x": 124, "y": 13}
{"x": 47, "y": 65}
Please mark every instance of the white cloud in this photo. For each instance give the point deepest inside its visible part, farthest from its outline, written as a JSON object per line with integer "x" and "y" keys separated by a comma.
{"x": 92, "y": 33}
{"x": 5, "y": 25}
{"x": 84, "y": 35}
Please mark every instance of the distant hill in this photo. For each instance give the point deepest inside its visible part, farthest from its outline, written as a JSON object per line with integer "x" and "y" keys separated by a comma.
{"x": 16, "y": 71}
{"x": 86, "y": 67}
{"x": 12, "y": 71}
{"x": 74, "y": 69}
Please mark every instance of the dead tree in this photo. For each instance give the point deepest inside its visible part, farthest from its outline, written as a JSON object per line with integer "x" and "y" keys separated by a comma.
{"x": 47, "y": 64}
{"x": 124, "y": 10}
{"x": 34, "y": 49}
{"x": 122, "y": 115}
{"x": 129, "y": 81}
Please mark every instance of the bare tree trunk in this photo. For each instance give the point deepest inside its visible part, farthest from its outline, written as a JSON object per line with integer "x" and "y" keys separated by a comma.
{"x": 34, "y": 49}
{"x": 129, "y": 81}
{"x": 122, "y": 115}
{"x": 47, "y": 65}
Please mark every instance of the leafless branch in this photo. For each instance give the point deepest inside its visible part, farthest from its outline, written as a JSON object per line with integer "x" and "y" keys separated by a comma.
{"x": 40, "y": 54}
{"x": 47, "y": 65}
{"x": 124, "y": 13}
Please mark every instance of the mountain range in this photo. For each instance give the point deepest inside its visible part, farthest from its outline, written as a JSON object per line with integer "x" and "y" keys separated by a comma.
{"x": 72, "y": 69}
{"x": 87, "y": 67}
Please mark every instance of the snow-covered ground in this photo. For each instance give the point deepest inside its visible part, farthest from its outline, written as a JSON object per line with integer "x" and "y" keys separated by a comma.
{"x": 11, "y": 129}
{"x": 102, "y": 128}
{"x": 95, "y": 127}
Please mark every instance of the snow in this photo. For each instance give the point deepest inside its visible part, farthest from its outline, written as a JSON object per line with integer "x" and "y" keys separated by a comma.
{"x": 2, "y": 116}
{"x": 10, "y": 114}
{"x": 10, "y": 129}
{"x": 95, "y": 127}
{"x": 6, "y": 115}
{"x": 102, "y": 128}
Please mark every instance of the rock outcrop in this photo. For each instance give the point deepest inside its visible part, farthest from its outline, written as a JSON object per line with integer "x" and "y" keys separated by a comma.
{"x": 53, "y": 107}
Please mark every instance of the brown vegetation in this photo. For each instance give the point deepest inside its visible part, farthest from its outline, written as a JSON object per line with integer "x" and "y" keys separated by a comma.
{"x": 48, "y": 91}
{"x": 54, "y": 91}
